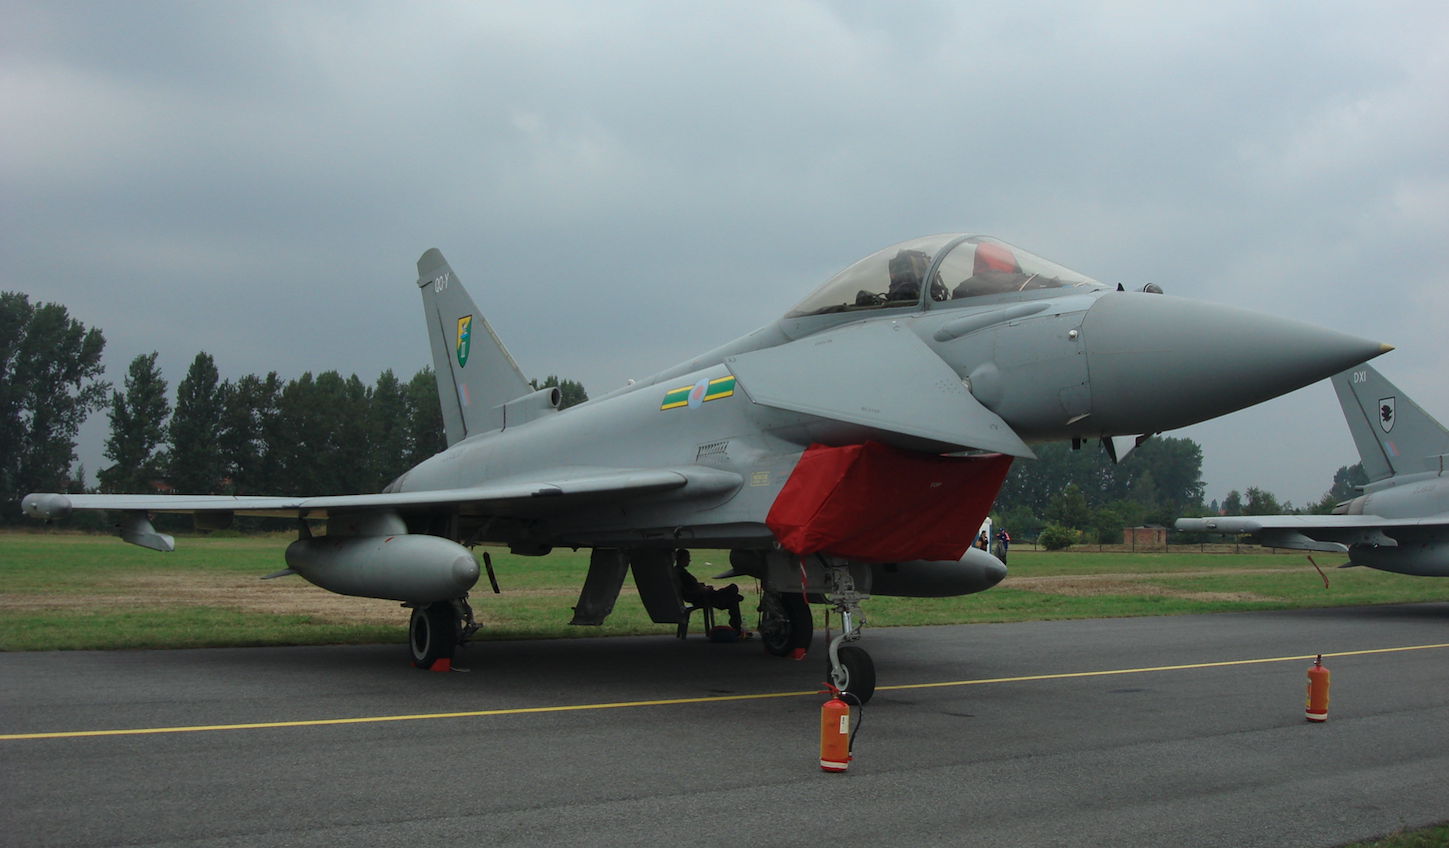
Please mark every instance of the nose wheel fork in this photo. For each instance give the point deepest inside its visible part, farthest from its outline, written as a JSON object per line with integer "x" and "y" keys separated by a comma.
{"x": 851, "y": 668}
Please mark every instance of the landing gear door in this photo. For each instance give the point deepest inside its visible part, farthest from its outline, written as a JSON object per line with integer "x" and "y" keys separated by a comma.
{"x": 783, "y": 570}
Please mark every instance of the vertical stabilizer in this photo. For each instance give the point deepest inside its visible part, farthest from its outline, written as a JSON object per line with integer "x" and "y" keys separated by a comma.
{"x": 475, "y": 373}
{"x": 1393, "y": 435}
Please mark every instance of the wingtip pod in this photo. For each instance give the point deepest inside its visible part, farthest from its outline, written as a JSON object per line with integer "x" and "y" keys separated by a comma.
{"x": 46, "y": 507}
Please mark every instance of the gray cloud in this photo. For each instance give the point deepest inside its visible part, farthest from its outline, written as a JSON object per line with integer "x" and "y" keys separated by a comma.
{"x": 624, "y": 186}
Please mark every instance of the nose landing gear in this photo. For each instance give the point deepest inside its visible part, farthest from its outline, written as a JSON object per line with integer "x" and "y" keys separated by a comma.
{"x": 851, "y": 668}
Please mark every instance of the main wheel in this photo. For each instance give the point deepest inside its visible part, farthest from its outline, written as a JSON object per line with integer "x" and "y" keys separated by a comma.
{"x": 858, "y": 670}
{"x": 433, "y": 633}
{"x": 785, "y": 623}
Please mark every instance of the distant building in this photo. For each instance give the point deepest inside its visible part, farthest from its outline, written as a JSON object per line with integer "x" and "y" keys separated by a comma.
{"x": 1147, "y": 536}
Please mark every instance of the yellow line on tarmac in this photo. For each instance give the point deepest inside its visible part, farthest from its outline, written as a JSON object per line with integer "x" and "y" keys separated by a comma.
{"x": 1070, "y": 674}
{"x": 264, "y": 725}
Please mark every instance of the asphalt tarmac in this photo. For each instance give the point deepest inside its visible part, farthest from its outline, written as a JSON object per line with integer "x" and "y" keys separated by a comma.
{"x": 1205, "y": 755}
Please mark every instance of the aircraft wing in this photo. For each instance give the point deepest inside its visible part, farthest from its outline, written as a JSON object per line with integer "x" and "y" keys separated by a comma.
{"x": 1311, "y": 532}
{"x": 877, "y": 375}
{"x": 556, "y": 490}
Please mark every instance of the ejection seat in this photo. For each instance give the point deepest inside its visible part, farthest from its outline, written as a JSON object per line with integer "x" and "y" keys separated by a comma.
{"x": 995, "y": 271}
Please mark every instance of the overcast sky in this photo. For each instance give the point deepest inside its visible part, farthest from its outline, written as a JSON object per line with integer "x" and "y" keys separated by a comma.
{"x": 625, "y": 185}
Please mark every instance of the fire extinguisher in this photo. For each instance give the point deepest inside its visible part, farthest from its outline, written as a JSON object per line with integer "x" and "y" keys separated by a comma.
{"x": 834, "y": 733}
{"x": 1316, "y": 706}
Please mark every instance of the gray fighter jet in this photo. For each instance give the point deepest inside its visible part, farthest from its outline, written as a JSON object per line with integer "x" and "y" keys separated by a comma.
{"x": 850, "y": 448}
{"x": 1401, "y": 521}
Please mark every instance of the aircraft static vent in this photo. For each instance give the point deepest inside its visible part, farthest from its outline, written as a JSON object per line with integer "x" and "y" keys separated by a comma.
{"x": 714, "y": 453}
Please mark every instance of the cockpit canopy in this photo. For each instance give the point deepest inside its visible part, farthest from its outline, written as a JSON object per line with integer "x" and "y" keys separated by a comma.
{"x": 959, "y": 267}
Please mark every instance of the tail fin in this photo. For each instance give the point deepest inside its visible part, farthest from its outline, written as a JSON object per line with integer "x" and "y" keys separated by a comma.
{"x": 1393, "y": 435}
{"x": 476, "y": 376}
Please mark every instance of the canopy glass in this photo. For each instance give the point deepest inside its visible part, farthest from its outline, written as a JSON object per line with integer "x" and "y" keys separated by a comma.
{"x": 965, "y": 266}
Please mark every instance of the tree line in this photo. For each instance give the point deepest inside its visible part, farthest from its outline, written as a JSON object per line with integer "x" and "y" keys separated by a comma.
{"x": 50, "y": 381}
{"x": 259, "y": 435}
{"x": 322, "y": 435}
{"x": 1348, "y": 481}
{"x": 1084, "y": 492}
{"x": 1070, "y": 496}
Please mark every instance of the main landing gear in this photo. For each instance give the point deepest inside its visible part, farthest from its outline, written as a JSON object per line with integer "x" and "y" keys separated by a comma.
{"x": 786, "y": 627}
{"x": 437, "y": 629}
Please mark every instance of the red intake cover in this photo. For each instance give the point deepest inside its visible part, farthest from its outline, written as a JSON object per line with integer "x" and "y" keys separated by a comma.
{"x": 880, "y": 504}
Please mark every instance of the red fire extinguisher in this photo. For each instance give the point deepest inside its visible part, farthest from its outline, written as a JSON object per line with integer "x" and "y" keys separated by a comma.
{"x": 834, "y": 734}
{"x": 1316, "y": 707}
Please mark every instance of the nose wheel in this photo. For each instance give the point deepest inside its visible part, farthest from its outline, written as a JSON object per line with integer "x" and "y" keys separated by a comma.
{"x": 853, "y": 671}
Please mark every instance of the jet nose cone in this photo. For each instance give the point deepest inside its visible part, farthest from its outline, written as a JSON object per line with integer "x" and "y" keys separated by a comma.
{"x": 1158, "y": 362}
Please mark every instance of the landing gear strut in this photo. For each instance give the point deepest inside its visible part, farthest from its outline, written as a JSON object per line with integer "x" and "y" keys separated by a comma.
{"x": 436, "y": 630}
{"x": 851, "y": 669}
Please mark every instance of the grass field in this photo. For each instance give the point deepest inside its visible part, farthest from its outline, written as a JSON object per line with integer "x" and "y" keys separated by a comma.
{"x": 1436, "y": 836}
{"x": 72, "y": 591}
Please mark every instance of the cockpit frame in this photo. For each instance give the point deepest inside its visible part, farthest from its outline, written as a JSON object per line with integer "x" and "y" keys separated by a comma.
{"x": 997, "y": 269}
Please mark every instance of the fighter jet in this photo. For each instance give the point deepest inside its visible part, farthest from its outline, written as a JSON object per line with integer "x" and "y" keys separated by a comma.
{"x": 850, "y": 448}
{"x": 1401, "y": 521}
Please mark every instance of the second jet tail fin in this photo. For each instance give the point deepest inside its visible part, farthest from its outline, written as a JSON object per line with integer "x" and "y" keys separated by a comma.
{"x": 475, "y": 373}
{"x": 1392, "y": 433}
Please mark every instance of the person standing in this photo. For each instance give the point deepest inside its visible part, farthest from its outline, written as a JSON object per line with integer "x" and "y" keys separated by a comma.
{"x": 1003, "y": 541}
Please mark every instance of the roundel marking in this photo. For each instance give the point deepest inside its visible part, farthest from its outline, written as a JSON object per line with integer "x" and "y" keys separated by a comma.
{"x": 696, "y": 394}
